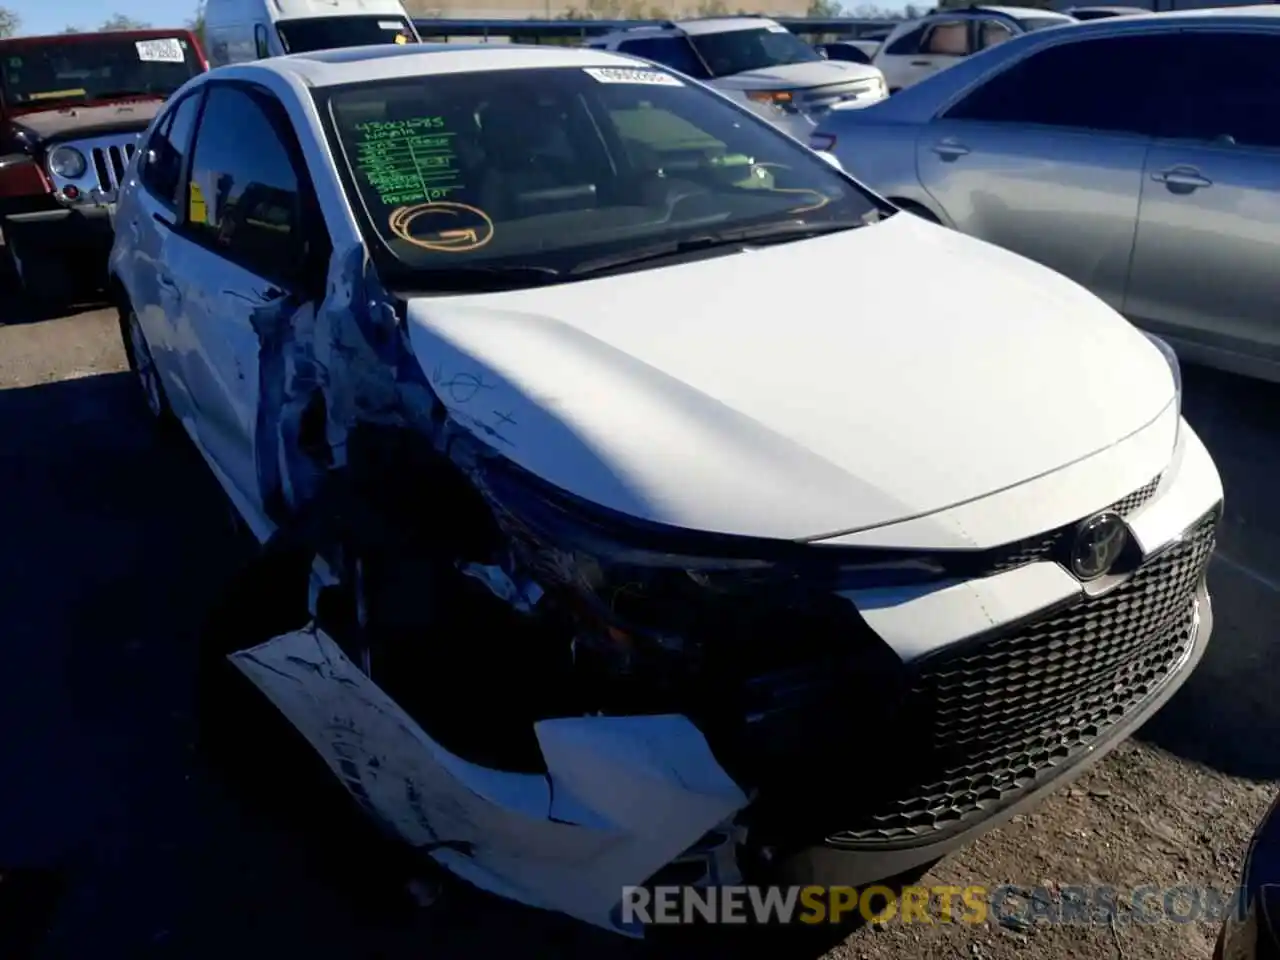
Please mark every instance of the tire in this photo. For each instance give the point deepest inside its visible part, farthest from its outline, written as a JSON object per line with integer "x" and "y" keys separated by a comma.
{"x": 42, "y": 281}
{"x": 268, "y": 768}
{"x": 143, "y": 367}
{"x": 266, "y": 597}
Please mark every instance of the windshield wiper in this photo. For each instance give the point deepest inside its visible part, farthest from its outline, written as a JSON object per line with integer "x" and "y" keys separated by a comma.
{"x": 756, "y": 236}
{"x": 481, "y": 279}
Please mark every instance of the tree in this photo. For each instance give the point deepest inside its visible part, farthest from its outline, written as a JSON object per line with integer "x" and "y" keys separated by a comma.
{"x": 196, "y": 23}
{"x": 824, "y": 9}
{"x": 71, "y": 28}
{"x": 9, "y": 22}
{"x": 121, "y": 22}
{"x": 871, "y": 11}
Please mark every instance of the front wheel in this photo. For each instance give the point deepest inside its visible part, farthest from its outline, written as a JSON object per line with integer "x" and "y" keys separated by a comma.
{"x": 143, "y": 366}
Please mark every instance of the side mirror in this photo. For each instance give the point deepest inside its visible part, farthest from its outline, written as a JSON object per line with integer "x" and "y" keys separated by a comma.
{"x": 831, "y": 158}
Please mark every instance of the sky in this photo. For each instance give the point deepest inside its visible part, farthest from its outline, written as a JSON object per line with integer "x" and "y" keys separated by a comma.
{"x": 51, "y": 16}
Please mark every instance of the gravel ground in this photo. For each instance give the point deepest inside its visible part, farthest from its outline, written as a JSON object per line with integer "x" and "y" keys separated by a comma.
{"x": 113, "y": 547}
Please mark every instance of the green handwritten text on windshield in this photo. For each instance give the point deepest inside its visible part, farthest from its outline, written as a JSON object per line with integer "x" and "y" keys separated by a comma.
{"x": 407, "y": 161}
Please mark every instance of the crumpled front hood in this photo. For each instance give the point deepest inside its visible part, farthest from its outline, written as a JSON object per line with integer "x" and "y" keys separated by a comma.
{"x": 794, "y": 76}
{"x": 721, "y": 396}
{"x": 46, "y": 124}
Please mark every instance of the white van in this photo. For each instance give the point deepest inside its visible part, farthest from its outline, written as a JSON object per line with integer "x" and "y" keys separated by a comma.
{"x": 239, "y": 30}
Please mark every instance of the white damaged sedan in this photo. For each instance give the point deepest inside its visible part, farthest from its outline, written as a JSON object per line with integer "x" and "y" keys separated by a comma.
{"x": 622, "y": 560}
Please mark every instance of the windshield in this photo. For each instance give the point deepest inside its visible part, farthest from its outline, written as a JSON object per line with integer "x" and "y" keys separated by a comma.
{"x": 550, "y": 169}
{"x": 328, "y": 33}
{"x": 736, "y": 51}
{"x": 103, "y": 68}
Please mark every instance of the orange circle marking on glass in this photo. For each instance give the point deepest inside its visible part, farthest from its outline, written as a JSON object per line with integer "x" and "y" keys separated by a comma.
{"x": 460, "y": 227}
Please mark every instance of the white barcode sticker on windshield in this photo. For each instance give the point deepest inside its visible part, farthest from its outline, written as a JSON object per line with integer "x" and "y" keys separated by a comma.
{"x": 165, "y": 50}
{"x": 624, "y": 75}
{"x": 390, "y": 25}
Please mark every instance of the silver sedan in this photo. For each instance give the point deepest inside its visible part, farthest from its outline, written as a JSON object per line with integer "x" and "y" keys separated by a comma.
{"x": 1139, "y": 156}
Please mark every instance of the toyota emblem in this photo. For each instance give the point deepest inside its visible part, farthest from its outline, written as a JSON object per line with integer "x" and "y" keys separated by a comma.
{"x": 1099, "y": 542}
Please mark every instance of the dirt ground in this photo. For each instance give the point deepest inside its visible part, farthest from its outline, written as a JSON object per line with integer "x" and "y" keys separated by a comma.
{"x": 1141, "y": 818}
{"x": 157, "y": 861}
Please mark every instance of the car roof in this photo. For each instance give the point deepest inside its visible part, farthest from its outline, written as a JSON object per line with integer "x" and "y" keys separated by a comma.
{"x": 1212, "y": 15}
{"x": 694, "y": 27}
{"x": 703, "y": 25}
{"x": 386, "y": 61}
{"x": 1262, "y": 11}
{"x": 1019, "y": 13}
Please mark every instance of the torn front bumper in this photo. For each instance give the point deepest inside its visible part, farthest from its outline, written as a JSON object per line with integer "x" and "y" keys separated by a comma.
{"x": 624, "y": 796}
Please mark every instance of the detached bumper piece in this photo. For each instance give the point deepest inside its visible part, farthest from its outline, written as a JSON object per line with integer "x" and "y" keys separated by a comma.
{"x": 1006, "y": 713}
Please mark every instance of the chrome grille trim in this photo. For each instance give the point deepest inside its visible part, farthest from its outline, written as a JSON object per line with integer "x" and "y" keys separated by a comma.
{"x": 107, "y": 162}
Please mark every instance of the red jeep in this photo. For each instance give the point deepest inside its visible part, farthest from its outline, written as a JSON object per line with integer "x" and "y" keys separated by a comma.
{"x": 71, "y": 109}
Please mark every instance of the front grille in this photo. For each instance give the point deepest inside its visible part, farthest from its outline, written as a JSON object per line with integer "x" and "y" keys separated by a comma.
{"x": 110, "y": 163}
{"x": 1000, "y": 714}
{"x": 1046, "y": 546}
{"x": 106, "y": 165}
{"x": 822, "y": 98}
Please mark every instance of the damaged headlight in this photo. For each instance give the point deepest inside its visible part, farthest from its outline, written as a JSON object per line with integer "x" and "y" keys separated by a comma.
{"x": 638, "y": 587}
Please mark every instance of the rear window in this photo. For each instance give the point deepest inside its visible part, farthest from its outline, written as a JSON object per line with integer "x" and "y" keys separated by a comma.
{"x": 105, "y": 67}
{"x": 328, "y": 33}
{"x": 549, "y": 168}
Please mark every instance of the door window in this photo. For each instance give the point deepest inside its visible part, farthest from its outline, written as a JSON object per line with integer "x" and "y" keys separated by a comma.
{"x": 1111, "y": 84}
{"x": 1234, "y": 98}
{"x": 261, "y": 42}
{"x": 160, "y": 169}
{"x": 673, "y": 52}
{"x": 992, "y": 32}
{"x": 949, "y": 39}
{"x": 244, "y": 199}
{"x": 908, "y": 43}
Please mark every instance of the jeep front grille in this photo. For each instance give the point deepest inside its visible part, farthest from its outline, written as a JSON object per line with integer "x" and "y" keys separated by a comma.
{"x": 110, "y": 163}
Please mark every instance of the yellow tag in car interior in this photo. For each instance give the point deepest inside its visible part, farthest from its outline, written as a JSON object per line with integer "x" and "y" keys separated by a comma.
{"x": 199, "y": 211}
{"x": 57, "y": 94}
{"x": 401, "y": 38}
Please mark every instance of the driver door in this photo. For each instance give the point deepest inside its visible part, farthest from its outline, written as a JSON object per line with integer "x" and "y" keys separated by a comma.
{"x": 246, "y": 257}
